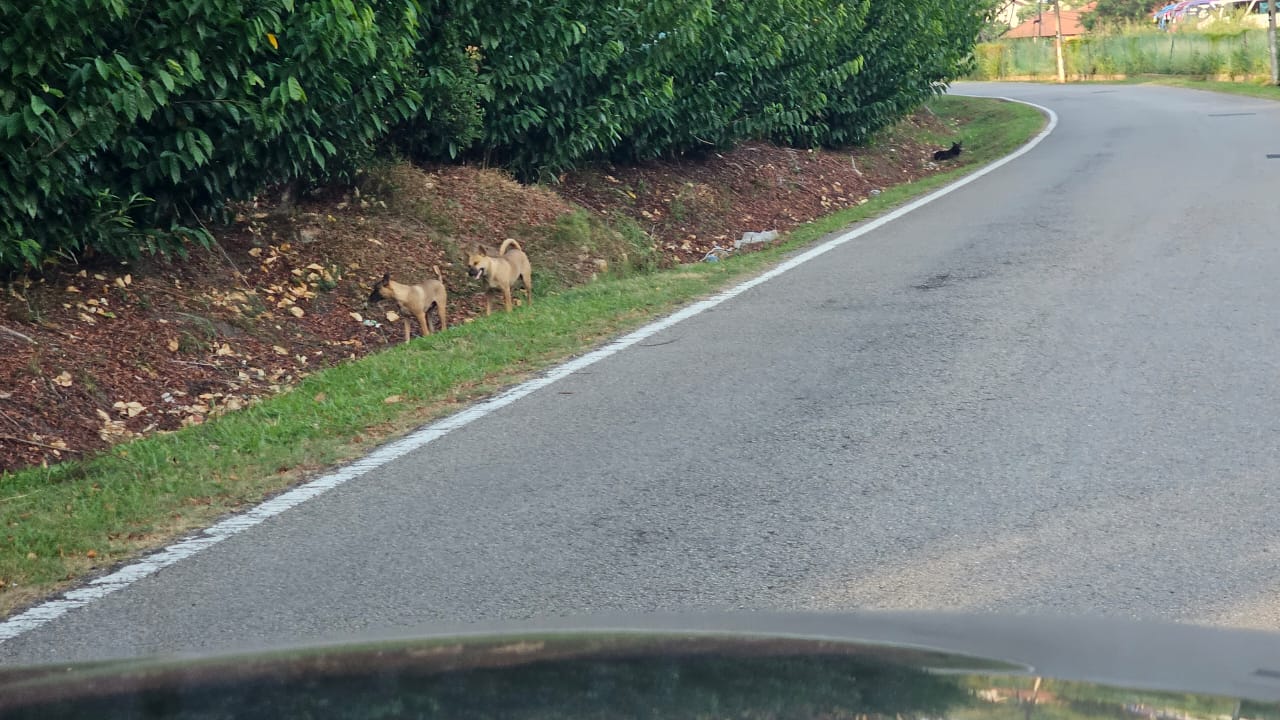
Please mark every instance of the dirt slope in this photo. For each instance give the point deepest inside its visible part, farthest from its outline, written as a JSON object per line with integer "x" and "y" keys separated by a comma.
{"x": 93, "y": 355}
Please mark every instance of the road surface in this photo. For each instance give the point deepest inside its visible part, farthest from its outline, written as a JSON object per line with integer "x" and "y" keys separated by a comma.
{"x": 1053, "y": 390}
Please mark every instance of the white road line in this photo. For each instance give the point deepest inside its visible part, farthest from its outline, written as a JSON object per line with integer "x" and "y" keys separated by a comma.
{"x": 151, "y": 564}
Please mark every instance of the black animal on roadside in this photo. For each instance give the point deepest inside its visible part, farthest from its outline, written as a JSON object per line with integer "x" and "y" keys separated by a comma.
{"x": 952, "y": 152}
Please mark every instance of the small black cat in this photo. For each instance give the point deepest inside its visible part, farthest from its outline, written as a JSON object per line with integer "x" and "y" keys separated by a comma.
{"x": 954, "y": 151}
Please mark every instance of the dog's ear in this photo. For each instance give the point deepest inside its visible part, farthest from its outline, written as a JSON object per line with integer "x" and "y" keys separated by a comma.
{"x": 386, "y": 278}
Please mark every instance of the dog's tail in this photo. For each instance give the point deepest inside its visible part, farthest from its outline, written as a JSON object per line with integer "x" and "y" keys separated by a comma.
{"x": 509, "y": 241}
{"x": 439, "y": 277}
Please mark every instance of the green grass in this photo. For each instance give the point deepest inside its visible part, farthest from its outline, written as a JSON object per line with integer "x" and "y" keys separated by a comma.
{"x": 142, "y": 494}
{"x": 1242, "y": 87}
{"x": 1249, "y": 88}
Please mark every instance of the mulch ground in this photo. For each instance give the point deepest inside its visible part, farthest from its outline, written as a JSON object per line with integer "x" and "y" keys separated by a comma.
{"x": 100, "y": 353}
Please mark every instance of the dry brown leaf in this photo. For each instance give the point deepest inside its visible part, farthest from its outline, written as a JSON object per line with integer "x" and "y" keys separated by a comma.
{"x": 393, "y": 399}
{"x": 255, "y": 252}
{"x": 392, "y": 316}
{"x": 63, "y": 379}
{"x": 172, "y": 345}
{"x": 132, "y": 408}
{"x": 357, "y": 317}
{"x": 279, "y": 350}
{"x": 73, "y": 289}
{"x": 297, "y": 311}
{"x": 225, "y": 350}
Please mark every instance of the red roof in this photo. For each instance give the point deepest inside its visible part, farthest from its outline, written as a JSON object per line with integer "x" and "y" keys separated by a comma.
{"x": 1071, "y": 25}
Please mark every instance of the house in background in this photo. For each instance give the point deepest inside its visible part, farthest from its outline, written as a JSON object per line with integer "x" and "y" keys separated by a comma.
{"x": 1046, "y": 25}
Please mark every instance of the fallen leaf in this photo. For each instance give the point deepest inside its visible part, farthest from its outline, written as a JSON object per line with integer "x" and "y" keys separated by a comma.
{"x": 32, "y": 556}
{"x": 73, "y": 289}
{"x": 392, "y": 316}
{"x": 279, "y": 350}
{"x": 99, "y": 276}
{"x": 63, "y": 379}
{"x": 320, "y": 397}
{"x": 296, "y": 311}
{"x": 91, "y": 554}
{"x": 225, "y": 350}
{"x": 173, "y": 345}
{"x": 393, "y": 399}
{"x": 132, "y": 408}
{"x": 357, "y": 317}
{"x": 128, "y": 279}
{"x": 255, "y": 252}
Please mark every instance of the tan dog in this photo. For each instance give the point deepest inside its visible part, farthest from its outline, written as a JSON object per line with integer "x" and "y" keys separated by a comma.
{"x": 414, "y": 300}
{"x": 502, "y": 270}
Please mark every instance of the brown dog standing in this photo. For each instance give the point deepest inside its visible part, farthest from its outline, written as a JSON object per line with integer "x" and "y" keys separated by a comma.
{"x": 414, "y": 300}
{"x": 501, "y": 271}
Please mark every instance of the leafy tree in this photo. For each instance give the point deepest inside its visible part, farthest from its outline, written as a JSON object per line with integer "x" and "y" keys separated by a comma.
{"x": 1114, "y": 13}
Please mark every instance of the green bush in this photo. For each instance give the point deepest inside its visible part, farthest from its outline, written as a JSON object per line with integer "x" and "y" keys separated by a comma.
{"x": 123, "y": 124}
{"x": 910, "y": 49}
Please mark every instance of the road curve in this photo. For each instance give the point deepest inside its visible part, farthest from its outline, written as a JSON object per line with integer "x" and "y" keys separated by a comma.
{"x": 1051, "y": 391}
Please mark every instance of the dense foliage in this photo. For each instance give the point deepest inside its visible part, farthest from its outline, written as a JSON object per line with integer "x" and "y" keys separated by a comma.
{"x": 125, "y": 125}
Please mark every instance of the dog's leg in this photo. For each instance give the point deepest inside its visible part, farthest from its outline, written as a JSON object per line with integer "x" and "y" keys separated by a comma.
{"x": 406, "y": 329}
{"x": 506, "y": 297}
{"x": 528, "y": 289}
{"x": 422, "y": 320}
{"x": 488, "y": 304}
{"x": 444, "y": 321}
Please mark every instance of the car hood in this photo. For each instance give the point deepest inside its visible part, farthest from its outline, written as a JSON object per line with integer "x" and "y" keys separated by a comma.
{"x": 864, "y": 666}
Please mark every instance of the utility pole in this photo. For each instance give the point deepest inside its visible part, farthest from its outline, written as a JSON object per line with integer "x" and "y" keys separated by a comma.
{"x": 1062, "y": 66}
{"x": 1271, "y": 41}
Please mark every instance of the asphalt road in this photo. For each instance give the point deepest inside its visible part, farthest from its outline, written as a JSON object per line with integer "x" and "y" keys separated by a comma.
{"x": 1054, "y": 390}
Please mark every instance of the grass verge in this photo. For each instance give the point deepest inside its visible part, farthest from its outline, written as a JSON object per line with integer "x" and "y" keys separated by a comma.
{"x": 63, "y": 522}
{"x": 1247, "y": 88}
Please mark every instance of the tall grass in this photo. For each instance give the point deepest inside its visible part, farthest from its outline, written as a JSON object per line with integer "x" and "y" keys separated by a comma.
{"x": 1222, "y": 50}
